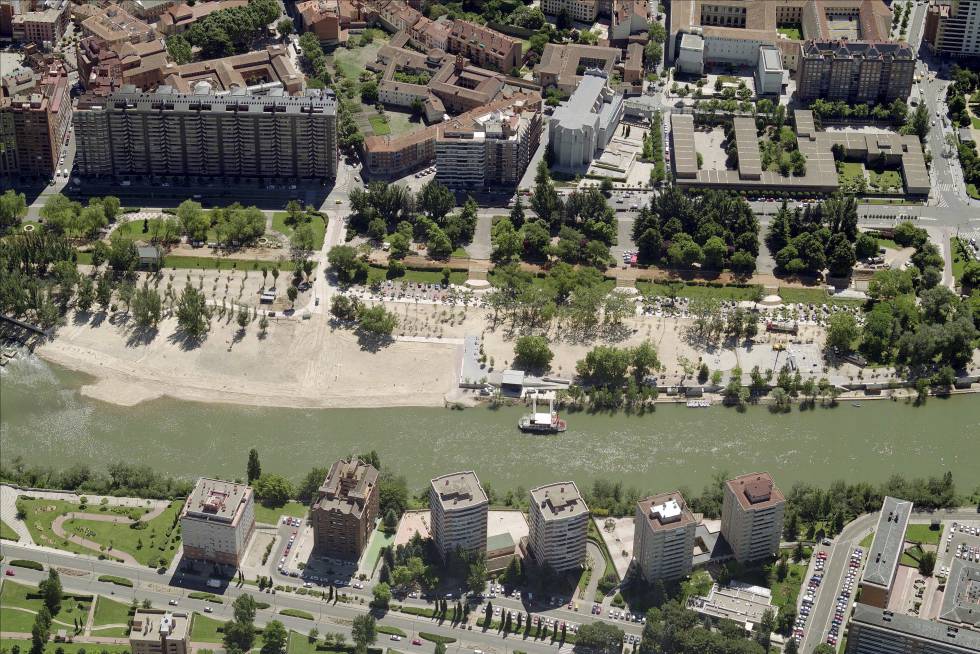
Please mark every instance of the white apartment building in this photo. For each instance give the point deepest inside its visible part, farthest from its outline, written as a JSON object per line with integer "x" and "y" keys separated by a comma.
{"x": 663, "y": 538}
{"x": 584, "y": 11}
{"x": 559, "y": 526}
{"x": 458, "y": 508}
{"x": 752, "y": 516}
{"x": 217, "y": 521}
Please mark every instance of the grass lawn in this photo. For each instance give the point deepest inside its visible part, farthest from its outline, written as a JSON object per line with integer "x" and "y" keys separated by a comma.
{"x": 7, "y": 532}
{"x": 7, "y": 644}
{"x": 271, "y": 515}
{"x": 610, "y": 568}
{"x": 19, "y": 596}
{"x": 379, "y": 125}
{"x": 134, "y": 228}
{"x": 684, "y": 290}
{"x": 390, "y": 631}
{"x": 791, "y": 31}
{"x": 960, "y": 257}
{"x": 785, "y": 592}
{"x": 347, "y": 67}
{"x": 110, "y": 612}
{"x": 887, "y": 243}
{"x": 698, "y": 585}
{"x": 889, "y": 179}
{"x": 379, "y": 273}
{"x": 912, "y": 556}
{"x": 866, "y": 541}
{"x": 319, "y": 228}
{"x": 852, "y": 172}
{"x": 814, "y": 296}
{"x": 460, "y": 253}
{"x": 971, "y": 189}
{"x": 219, "y": 263}
{"x": 975, "y": 121}
{"x": 205, "y": 629}
{"x": 300, "y": 644}
{"x": 379, "y": 539}
{"x": 923, "y": 535}
{"x": 158, "y": 540}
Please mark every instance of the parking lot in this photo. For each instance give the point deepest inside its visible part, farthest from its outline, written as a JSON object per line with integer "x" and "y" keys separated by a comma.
{"x": 297, "y": 560}
{"x": 961, "y": 540}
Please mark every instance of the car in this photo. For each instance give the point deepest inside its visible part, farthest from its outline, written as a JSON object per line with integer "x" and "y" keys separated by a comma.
{"x": 416, "y": 641}
{"x": 172, "y": 602}
{"x": 10, "y": 573}
{"x": 208, "y": 609}
{"x": 395, "y": 637}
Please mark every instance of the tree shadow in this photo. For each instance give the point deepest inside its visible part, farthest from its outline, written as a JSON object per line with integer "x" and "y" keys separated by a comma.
{"x": 372, "y": 342}
{"x": 98, "y": 318}
{"x": 81, "y": 317}
{"x": 185, "y": 340}
{"x": 141, "y": 336}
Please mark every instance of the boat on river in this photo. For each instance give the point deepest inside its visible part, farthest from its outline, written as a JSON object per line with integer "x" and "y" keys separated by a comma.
{"x": 700, "y": 403}
{"x": 541, "y": 422}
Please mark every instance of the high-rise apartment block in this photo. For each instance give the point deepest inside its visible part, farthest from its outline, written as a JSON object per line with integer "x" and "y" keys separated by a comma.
{"x": 492, "y": 149}
{"x": 952, "y": 27}
{"x": 345, "y": 509}
{"x": 663, "y": 537}
{"x": 752, "y": 516}
{"x": 217, "y": 521}
{"x": 234, "y": 136}
{"x": 160, "y": 632}
{"x": 34, "y": 125}
{"x": 458, "y": 508}
{"x": 559, "y": 526}
{"x": 855, "y": 71}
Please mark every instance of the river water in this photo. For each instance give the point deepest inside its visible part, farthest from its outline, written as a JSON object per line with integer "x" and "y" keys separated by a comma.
{"x": 44, "y": 419}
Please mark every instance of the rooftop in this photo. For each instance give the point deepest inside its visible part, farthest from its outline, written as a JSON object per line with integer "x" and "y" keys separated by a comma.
{"x": 559, "y": 501}
{"x": 459, "y": 490}
{"x": 563, "y": 61}
{"x": 580, "y": 109}
{"x": 889, "y": 541}
{"x": 961, "y": 600}
{"x": 214, "y": 499}
{"x": 149, "y": 625}
{"x": 755, "y": 491}
{"x": 925, "y": 630}
{"x": 347, "y": 487}
{"x": 666, "y": 511}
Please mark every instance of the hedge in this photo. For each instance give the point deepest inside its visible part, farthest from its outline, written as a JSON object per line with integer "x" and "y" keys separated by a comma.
{"x": 296, "y": 613}
{"x": 436, "y": 638}
{"x": 24, "y": 563}
{"x": 119, "y": 581}
{"x": 391, "y": 631}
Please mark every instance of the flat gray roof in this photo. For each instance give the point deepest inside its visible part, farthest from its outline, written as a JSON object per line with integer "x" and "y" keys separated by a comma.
{"x": 685, "y": 154}
{"x": 922, "y": 630}
{"x": 559, "y": 501}
{"x": 747, "y": 143}
{"x": 459, "y": 490}
{"x": 805, "y": 127}
{"x": 579, "y": 110}
{"x": 770, "y": 58}
{"x": 886, "y": 548}
{"x": 216, "y": 500}
{"x": 961, "y": 600}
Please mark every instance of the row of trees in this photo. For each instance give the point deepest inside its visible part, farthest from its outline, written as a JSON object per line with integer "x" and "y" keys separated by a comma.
{"x": 713, "y": 230}
{"x": 821, "y": 236}
{"x": 965, "y": 83}
{"x": 71, "y": 218}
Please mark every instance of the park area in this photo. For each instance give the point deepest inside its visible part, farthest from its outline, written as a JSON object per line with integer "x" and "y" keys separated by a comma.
{"x": 134, "y": 535}
{"x": 19, "y": 605}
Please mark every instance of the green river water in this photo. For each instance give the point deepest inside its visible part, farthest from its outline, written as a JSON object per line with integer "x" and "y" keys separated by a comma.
{"x": 44, "y": 419}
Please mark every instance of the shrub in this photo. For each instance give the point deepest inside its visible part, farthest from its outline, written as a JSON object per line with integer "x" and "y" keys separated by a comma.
{"x": 436, "y": 638}
{"x": 119, "y": 581}
{"x": 24, "y": 563}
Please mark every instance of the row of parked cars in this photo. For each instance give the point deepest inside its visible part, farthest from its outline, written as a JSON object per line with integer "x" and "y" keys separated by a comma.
{"x": 806, "y": 605}
{"x": 844, "y": 596}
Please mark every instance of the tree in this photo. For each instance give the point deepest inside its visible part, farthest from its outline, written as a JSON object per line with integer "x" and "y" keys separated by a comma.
{"x": 348, "y": 266}
{"x": 122, "y": 253}
{"x": 476, "y": 578}
{"x": 918, "y": 122}
{"x": 192, "y": 313}
{"x": 842, "y": 332}
{"x": 840, "y": 255}
{"x": 506, "y": 241}
{"x": 193, "y": 221}
{"x": 292, "y": 293}
{"x": 865, "y": 246}
{"x": 601, "y": 638}
{"x": 274, "y": 638}
{"x": 303, "y": 238}
{"x": 13, "y": 207}
{"x": 272, "y": 489}
{"x": 435, "y": 200}
{"x": 363, "y": 632}
{"x": 791, "y": 647}
{"x": 532, "y": 353}
{"x": 284, "y": 27}
{"x": 927, "y": 563}
{"x": 382, "y": 595}
{"x": 377, "y": 320}
{"x": 253, "y": 469}
{"x": 238, "y": 636}
{"x": 147, "y": 306}
{"x": 179, "y": 49}
{"x": 50, "y": 590}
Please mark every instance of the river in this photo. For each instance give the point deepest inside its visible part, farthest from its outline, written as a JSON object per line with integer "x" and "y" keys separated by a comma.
{"x": 45, "y": 420}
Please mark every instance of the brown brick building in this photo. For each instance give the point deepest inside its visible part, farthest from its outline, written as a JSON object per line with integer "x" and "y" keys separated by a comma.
{"x": 346, "y": 509}
{"x": 34, "y": 124}
{"x": 484, "y": 47}
{"x": 855, "y": 71}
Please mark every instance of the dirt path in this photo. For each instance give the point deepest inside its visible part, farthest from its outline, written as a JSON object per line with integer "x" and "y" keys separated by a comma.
{"x": 57, "y": 526}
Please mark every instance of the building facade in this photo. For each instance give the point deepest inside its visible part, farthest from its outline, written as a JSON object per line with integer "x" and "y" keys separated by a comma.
{"x": 42, "y": 23}
{"x": 559, "y": 526}
{"x": 34, "y": 125}
{"x": 663, "y": 537}
{"x": 458, "y": 513}
{"x": 345, "y": 510}
{"x": 752, "y": 516}
{"x": 583, "y": 11}
{"x": 493, "y": 149}
{"x": 953, "y": 27}
{"x": 159, "y": 632}
{"x": 581, "y": 128}
{"x": 238, "y": 136}
{"x": 878, "y": 631}
{"x": 855, "y": 71}
{"x": 484, "y": 47}
{"x": 217, "y": 521}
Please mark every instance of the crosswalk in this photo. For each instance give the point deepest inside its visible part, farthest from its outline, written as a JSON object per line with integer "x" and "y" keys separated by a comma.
{"x": 944, "y": 188}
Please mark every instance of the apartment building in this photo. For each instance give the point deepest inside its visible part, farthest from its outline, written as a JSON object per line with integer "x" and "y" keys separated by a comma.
{"x": 952, "y": 27}
{"x": 752, "y": 516}
{"x": 484, "y": 47}
{"x": 492, "y": 149}
{"x": 878, "y": 577}
{"x": 160, "y": 632}
{"x": 580, "y": 129}
{"x": 115, "y": 25}
{"x": 179, "y": 18}
{"x": 34, "y": 125}
{"x": 583, "y": 11}
{"x": 559, "y": 526}
{"x": 855, "y": 71}
{"x": 458, "y": 513}
{"x": 879, "y": 631}
{"x": 42, "y": 23}
{"x": 564, "y": 66}
{"x": 147, "y": 10}
{"x": 235, "y": 136}
{"x": 217, "y": 520}
{"x": 663, "y": 537}
{"x": 345, "y": 509}
{"x": 323, "y": 18}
